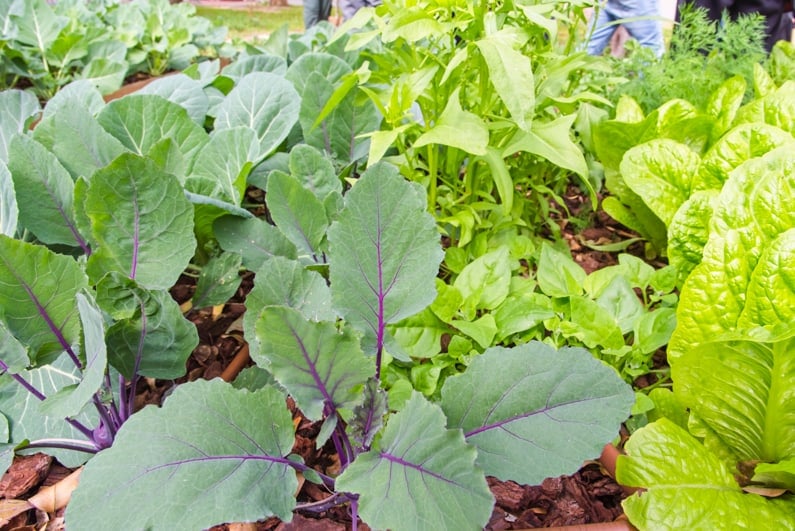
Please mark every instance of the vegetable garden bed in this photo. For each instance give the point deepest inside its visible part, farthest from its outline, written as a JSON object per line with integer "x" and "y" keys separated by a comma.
{"x": 404, "y": 246}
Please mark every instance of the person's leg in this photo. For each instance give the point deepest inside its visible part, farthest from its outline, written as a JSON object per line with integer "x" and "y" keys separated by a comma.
{"x": 648, "y": 33}
{"x": 311, "y": 13}
{"x": 325, "y": 9}
{"x": 350, "y": 7}
{"x": 602, "y": 31}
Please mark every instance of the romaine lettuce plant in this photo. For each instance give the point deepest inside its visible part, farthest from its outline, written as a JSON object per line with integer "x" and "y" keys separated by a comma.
{"x": 731, "y": 358}
{"x": 663, "y": 170}
{"x": 522, "y": 414}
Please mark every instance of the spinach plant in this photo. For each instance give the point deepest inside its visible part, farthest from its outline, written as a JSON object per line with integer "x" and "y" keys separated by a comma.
{"x": 730, "y": 431}
{"x": 523, "y": 413}
{"x": 478, "y": 104}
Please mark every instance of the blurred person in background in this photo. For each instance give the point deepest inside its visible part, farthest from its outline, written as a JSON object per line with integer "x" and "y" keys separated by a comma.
{"x": 350, "y": 7}
{"x": 777, "y": 13}
{"x": 647, "y": 31}
{"x": 315, "y": 11}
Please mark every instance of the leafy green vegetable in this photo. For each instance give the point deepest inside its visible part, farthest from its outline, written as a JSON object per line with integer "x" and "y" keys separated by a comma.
{"x": 687, "y": 486}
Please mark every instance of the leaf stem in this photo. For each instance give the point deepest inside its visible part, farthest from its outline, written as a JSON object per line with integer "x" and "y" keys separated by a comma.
{"x": 338, "y": 498}
{"x": 328, "y": 481}
{"x": 79, "y": 426}
{"x": 65, "y": 444}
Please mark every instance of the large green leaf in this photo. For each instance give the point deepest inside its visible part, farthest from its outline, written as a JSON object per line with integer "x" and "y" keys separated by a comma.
{"x": 322, "y": 368}
{"x": 298, "y": 213}
{"x": 44, "y": 191}
{"x": 330, "y": 67}
{"x": 254, "y": 239}
{"x": 39, "y": 26}
{"x": 266, "y": 103}
{"x": 28, "y": 421}
{"x": 511, "y": 74}
{"x": 218, "y": 280}
{"x": 155, "y": 341}
{"x": 17, "y": 109}
{"x": 742, "y": 143}
{"x": 13, "y": 354}
{"x": 37, "y": 294}
{"x": 661, "y": 172}
{"x": 211, "y": 454}
{"x": 314, "y": 171}
{"x": 741, "y": 390}
{"x": 688, "y": 487}
{"x": 9, "y": 208}
{"x": 770, "y": 298}
{"x": 80, "y": 92}
{"x": 221, "y": 168}
{"x": 142, "y": 224}
{"x": 419, "y": 476}
{"x": 485, "y": 282}
{"x": 284, "y": 282}
{"x": 140, "y": 121}
{"x": 385, "y": 252}
{"x": 457, "y": 128}
{"x": 559, "y": 275}
{"x": 534, "y": 412}
{"x": 688, "y": 232}
{"x": 73, "y": 134}
{"x": 553, "y": 142}
{"x": 341, "y": 133}
{"x": 748, "y": 230}
{"x": 184, "y": 91}
{"x": 70, "y": 401}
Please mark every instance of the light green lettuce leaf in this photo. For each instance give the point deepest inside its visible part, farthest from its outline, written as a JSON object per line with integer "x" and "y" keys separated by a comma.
{"x": 740, "y": 390}
{"x": 752, "y": 211}
{"x": 661, "y": 172}
{"x": 687, "y": 487}
{"x": 741, "y": 143}
{"x": 688, "y": 232}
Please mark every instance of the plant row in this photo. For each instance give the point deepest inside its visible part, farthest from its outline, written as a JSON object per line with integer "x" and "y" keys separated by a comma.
{"x": 429, "y": 363}
{"x": 46, "y": 45}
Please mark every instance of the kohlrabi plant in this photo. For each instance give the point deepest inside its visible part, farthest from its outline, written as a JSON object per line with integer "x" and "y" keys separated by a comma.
{"x": 728, "y": 442}
{"x": 332, "y": 273}
{"x": 46, "y": 45}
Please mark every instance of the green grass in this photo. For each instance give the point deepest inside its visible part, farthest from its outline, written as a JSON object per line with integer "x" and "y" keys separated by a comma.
{"x": 253, "y": 23}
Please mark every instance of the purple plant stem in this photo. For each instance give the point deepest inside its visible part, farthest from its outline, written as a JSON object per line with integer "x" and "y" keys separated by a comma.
{"x": 339, "y": 449}
{"x": 334, "y": 500}
{"x": 113, "y": 408}
{"x": 354, "y": 514}
{"x": 105, "y": 415}
{"x": 301, "y": 467}
{"x": 38, "y": 394}
{"x": 123, "y": 398}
